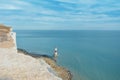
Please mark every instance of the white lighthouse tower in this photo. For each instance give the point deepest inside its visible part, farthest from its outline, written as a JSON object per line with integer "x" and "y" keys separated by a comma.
{"x": 55, "y": 52}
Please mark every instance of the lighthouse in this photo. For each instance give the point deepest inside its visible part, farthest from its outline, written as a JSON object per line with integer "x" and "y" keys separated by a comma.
{"x": 55, "y": 52}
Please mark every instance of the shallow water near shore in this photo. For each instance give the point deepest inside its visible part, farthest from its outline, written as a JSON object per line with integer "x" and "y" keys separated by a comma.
{"x": 89, "y": 55}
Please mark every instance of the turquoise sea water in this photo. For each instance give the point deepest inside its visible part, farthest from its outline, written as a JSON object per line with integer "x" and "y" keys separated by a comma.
{"x": 89, "y": 55}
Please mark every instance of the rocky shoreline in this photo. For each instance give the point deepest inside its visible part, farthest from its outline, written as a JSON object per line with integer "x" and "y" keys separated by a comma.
{"x": 61, "y": 71}
{"x": 18, "y": 64}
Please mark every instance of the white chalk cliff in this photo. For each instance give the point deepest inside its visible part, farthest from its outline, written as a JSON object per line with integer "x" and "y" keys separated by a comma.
{"x": 16, "y": 66}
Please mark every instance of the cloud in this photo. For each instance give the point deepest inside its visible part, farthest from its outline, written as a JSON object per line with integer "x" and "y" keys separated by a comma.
{"x": 9, "y": 7}
{"x": 79, "y": 1}
{"x": 60, "y": 12}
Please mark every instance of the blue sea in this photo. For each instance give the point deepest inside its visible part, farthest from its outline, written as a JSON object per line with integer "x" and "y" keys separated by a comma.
{"x": 88, "y": 54}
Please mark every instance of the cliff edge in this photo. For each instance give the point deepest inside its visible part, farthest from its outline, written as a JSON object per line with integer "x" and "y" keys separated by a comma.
{"x": 15, "y": 66}
{"x": 7, "y": 37}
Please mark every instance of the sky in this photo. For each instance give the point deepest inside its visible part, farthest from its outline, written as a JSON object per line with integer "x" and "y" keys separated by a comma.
{"x": 61, "y": 14}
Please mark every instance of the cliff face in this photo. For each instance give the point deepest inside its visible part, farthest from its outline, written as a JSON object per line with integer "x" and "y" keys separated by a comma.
{"x": 7, "y": 37}
{"x": 5, "y": 28}
{"x": 22, "y": 67}
{"x": 16, "y": 66}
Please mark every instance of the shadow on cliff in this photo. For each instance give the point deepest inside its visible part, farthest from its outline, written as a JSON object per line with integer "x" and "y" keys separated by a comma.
{"x": 5, "y": 78}
{"x": 35, "y": 55}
